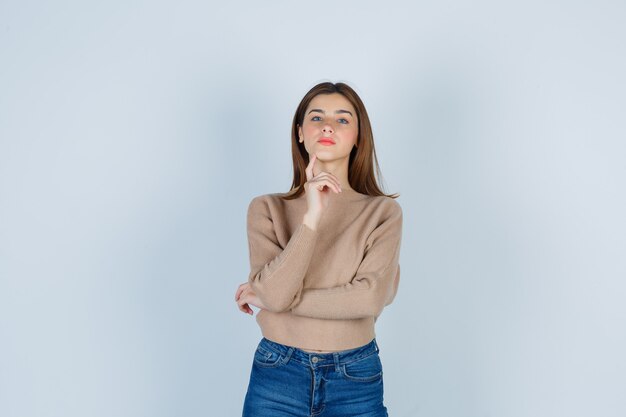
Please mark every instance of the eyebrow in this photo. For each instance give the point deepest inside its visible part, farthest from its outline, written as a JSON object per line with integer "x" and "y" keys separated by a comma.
{"x": 336, "y": 111}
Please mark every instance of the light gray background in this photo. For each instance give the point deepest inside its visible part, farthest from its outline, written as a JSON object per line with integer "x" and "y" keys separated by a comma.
{"x": 134, "y": 134}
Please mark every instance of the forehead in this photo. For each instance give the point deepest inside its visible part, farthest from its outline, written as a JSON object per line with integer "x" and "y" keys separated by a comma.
{"x": 330, "y": 103}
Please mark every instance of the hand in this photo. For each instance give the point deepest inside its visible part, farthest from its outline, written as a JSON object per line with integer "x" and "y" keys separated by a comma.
{"x": 317, "y": 188}
{"x": 245, "y": 296}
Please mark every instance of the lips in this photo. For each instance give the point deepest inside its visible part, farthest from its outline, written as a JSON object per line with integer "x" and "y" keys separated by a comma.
{"x": 326, "y": 141}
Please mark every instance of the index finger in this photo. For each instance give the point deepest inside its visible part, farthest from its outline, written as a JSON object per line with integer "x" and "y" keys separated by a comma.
{"x": 309, "y": 168}
{"x": 240, "y": 290}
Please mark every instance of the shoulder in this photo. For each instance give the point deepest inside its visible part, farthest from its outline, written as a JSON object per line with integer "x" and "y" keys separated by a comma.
{"x": 265, "y": 202}
{"x": 388, "y": 207}
{"x": 389, "y": 214}
{"x": 391, "y": 203}
{"x": 384, "y": 219}
{"x": 259, "y": 202}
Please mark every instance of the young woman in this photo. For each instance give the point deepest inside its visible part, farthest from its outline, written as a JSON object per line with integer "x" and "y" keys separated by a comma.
{"x": 324, "y": 263}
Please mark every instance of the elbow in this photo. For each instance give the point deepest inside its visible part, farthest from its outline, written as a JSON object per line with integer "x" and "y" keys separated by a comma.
{"x": 375, "y": 297}
{"x": 381, "y": 299}
{"x": 372, "y": 310}
{"x": 275, "y": 305}
{"x": 373, "y": 306}
{"x": 271, "y": 299}
{"x": 390, "y": 292}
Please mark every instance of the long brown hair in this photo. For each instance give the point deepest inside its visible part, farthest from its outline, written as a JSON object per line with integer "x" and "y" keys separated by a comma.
{"x": 362, "y": 160}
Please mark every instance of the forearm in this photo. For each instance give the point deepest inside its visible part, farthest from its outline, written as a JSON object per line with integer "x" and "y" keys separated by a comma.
{"x": 365, "y": 297}
{"x": 277, "y": 282}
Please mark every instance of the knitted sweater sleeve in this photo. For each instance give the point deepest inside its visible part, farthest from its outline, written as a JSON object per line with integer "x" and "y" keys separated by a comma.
{"x": 375, "y": 283}
{"x": 276, "y": 272}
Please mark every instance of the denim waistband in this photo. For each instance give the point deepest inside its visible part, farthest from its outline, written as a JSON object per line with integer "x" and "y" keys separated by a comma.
{"x": 315, "y": 359}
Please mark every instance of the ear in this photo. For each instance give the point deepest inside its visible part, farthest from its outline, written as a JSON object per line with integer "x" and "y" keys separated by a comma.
{"x": 300, "y": 135}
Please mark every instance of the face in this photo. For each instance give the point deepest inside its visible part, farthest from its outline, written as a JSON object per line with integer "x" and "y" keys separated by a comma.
{"x": 329, "y": 118}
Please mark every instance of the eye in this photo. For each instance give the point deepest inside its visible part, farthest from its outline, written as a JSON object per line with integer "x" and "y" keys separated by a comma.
{"x": 346, "y": 121}
{"x": 313, "y": 118}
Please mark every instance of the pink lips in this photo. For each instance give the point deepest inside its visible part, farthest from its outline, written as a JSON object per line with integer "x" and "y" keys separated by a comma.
{"x": 326, "y": 141}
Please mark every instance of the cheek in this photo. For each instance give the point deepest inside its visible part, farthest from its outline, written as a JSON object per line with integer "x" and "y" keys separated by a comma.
{"x": 351, "y": 134}
{"x": 308, "y": 130}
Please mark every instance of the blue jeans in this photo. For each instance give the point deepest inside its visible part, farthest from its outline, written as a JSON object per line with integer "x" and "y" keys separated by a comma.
{"x": 287, "y": 381}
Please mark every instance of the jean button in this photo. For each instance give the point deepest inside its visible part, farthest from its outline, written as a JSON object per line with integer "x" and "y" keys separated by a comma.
{"x": 314, "y": 359}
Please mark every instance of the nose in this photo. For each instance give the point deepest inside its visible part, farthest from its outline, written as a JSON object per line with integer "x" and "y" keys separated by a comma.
{"x": 327, "y": 129}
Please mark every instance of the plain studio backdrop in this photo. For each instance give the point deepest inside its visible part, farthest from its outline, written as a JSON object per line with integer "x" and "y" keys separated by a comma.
{"x": 134, "y": 134}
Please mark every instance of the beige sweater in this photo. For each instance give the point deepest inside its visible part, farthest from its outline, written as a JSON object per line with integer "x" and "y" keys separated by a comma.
{"x": 323, "y": 288}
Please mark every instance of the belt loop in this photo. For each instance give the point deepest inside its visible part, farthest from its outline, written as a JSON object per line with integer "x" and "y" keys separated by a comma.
{"x": 288, "y": 355}
{"x": 336, "y": 359}
{"x": 376, "y": 345}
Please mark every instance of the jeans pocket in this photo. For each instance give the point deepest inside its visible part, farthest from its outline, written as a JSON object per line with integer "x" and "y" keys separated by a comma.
{"x": 266, "y": 358}
{"x": 366, "y": 369}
